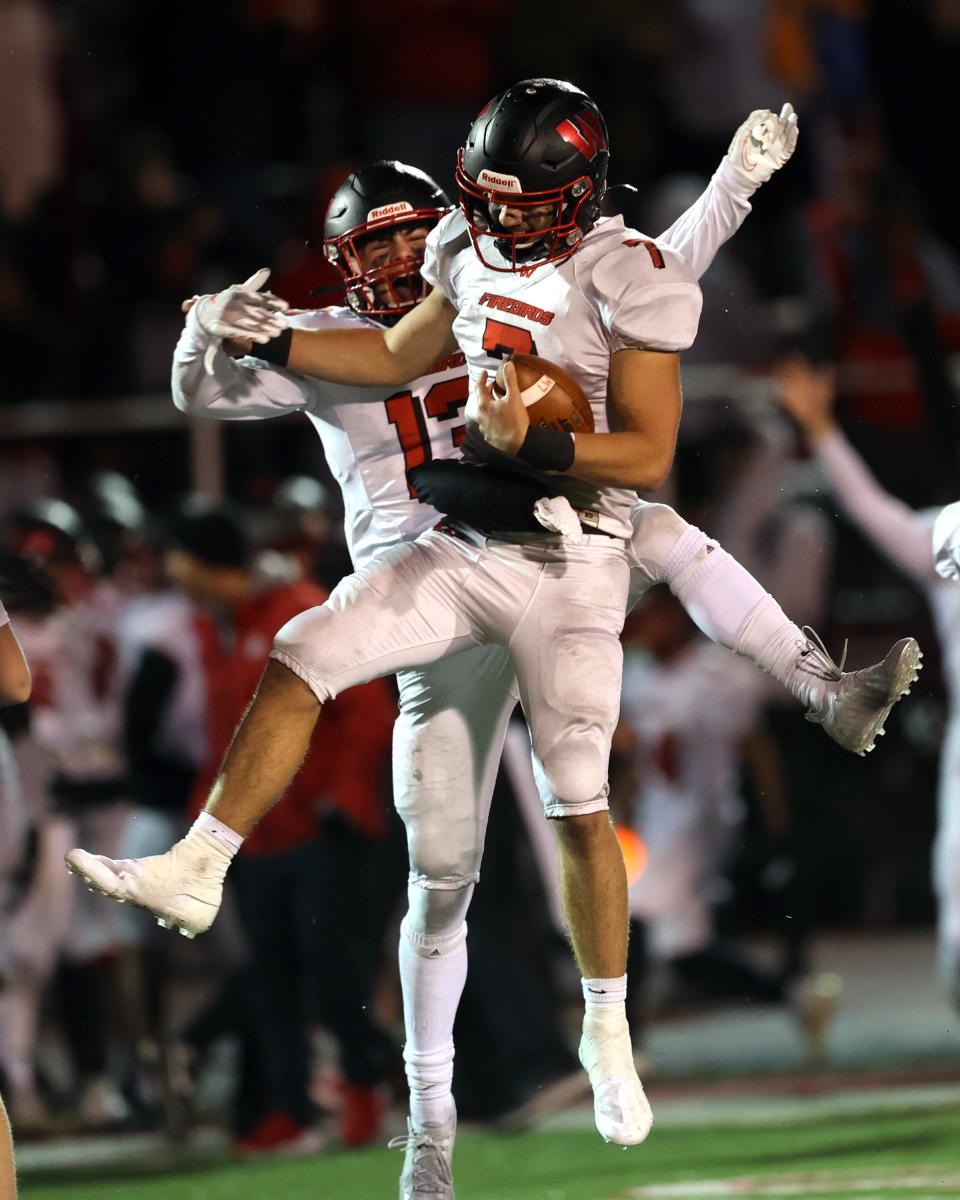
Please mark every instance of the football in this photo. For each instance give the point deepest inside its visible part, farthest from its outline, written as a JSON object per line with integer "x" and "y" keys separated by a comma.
{"x": 553, "y": 399}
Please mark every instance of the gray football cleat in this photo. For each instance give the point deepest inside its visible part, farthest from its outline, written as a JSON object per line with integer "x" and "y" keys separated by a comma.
{"x": 855, "y": 704}
{"x": 428, "y": 1162}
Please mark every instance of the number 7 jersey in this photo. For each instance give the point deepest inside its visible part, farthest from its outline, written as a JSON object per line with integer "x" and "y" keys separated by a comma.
{"x": 619, "y": 290}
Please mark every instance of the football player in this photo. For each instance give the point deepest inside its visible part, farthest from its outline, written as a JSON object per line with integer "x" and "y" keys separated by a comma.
{"x": 904, "y": 535}
{"x": 445, "y": 841}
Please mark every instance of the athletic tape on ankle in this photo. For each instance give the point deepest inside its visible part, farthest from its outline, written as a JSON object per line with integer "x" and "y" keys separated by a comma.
{"x": 228, "y": 838}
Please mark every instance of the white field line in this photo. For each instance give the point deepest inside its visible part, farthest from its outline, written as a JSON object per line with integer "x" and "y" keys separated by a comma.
{"x": 934, "y": 1182}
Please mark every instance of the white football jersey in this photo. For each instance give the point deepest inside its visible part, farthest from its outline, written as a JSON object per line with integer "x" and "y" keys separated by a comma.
{"x": 620, "y": 290}
{"x": 371, "y": 436}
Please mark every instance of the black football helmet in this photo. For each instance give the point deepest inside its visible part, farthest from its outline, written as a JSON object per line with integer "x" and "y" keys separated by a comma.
{"x": 382, "y": 196}
{"x": 51, "y": 533}
{"x": 541, "y": 142}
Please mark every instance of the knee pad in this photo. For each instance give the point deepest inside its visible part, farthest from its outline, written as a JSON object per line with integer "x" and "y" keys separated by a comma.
{"x": 436, "y": 912}
{"x": 298, "y": 647}
{"x": 572, "y": 778}
{"x": 657, "y": 530}
{"x": 718, "y": 593}
{"x": 432, "y": 944}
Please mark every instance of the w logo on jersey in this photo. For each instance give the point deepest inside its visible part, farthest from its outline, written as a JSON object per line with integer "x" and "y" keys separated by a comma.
{"x": 585, "y": 133}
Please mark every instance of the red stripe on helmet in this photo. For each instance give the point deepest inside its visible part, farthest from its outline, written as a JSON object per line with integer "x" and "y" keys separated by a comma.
{"x": 584, "y": 132}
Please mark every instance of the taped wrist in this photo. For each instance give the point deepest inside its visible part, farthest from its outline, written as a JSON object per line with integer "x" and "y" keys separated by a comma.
{"x": 4, "y": 618}
{"x": 547, "y": 449}
{"x": 276, "y": 351}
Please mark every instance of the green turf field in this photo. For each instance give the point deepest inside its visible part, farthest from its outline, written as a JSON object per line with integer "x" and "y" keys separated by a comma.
{"x": 865, "y": 1155}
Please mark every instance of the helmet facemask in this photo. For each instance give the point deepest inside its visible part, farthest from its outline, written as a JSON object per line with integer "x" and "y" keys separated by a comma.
{"x": 574, "y": 212}
{"x": 389, "y": 290}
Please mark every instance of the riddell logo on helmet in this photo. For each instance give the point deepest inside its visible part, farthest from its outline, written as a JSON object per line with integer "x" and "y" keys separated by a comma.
{"x": 389, "y": 210}
{"x": 585, "y": 133}
{"x": 503, "y": 183}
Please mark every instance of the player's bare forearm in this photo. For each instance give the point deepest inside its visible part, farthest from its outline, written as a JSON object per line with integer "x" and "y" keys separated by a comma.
{"x": 14, "y": 672}
{"x": 627, "y": 460}
{"x": 372, "y": 357}
{"x": 646, "y": 400}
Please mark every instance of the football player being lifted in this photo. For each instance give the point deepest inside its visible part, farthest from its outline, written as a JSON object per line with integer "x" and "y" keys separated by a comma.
{"x": 506, "y": 600}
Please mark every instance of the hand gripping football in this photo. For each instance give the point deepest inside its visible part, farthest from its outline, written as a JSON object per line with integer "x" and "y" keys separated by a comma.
{"x": 553, "y": 399}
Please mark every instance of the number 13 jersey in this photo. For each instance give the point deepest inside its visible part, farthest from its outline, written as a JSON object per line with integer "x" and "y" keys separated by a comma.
{"x": 371, "y": 436}
{"x": 620, "y": 290}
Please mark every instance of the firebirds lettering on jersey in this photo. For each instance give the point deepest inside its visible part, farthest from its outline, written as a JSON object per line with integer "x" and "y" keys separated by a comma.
{"x": 518, "y": 307}
{"x": 371, "y": 436}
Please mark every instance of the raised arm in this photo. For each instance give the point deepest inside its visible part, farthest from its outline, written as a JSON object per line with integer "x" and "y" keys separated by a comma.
{"x": 762, "y": 144}
{"x": 903, "y": 534}
{"x": 206, "y": 381}
{"x": 369, "y": 357}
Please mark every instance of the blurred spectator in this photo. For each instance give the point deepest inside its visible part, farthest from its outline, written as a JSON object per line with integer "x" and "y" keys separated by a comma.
{"x": 763, "y": 520}
{"x": 163, "y": 730}
{"x": 690, "y": 723}
{"x": 307, "y": 527}
{"x": 75, "y": 722}
{"x": 905, "y": 537}
{"x": 30, "y": 133}
{"x": 296, "y": 876}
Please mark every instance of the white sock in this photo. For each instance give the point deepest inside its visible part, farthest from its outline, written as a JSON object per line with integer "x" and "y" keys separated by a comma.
{"x": 433, "y": 971}
{"x": 604, "y": 993}
{"x": 778, "y": 647}
{"x": 228, "y": 838}
{"x": 733, "y": 610}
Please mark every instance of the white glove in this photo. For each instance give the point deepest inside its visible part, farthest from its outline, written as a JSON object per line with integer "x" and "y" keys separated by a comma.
{"x": 243, "y": 312}
{"x": 557, "y": 515}
{"x": 763, "y": 143}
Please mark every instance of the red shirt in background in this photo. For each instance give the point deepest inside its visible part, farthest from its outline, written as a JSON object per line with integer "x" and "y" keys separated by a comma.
{"x": 346, "y": 767}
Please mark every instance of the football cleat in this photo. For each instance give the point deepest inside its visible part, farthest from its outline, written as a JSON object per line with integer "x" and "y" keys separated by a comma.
{"x": 428, "y": 1163}
{"x": 183, "y": 888}
{"x": 620, "y": 1108}
{"x": 854, "y": 705}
